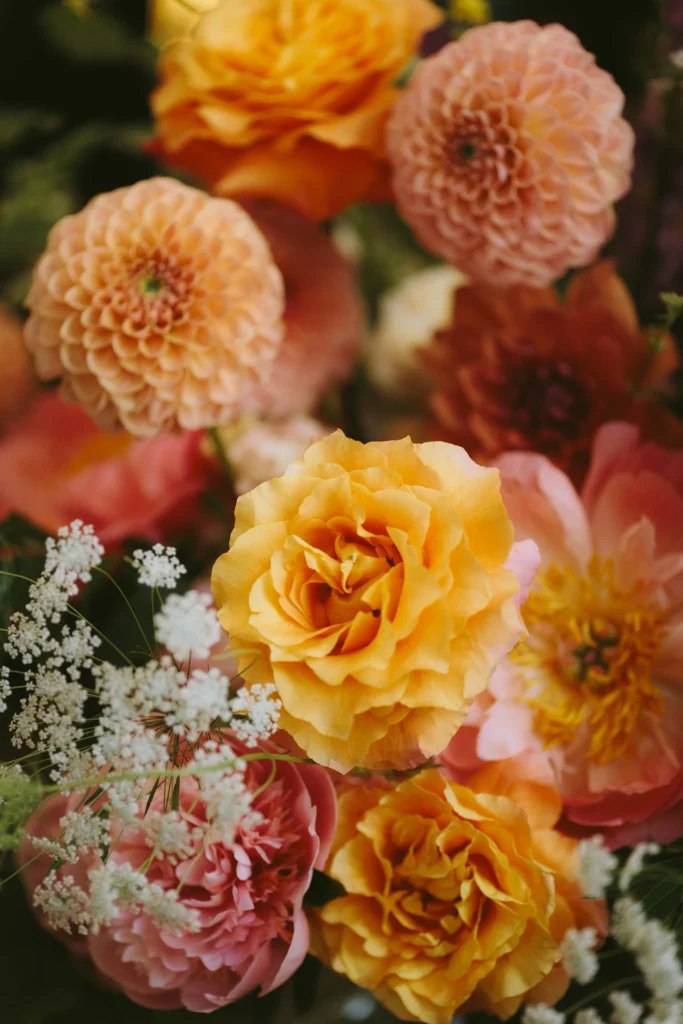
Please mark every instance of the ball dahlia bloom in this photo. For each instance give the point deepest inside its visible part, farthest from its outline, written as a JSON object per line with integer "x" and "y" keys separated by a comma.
{"x": 56, "y": 465}
{"x": 158, "y": 306}
{"x": 595, "y": 689}
{"x": 457, "y": 898}
{"x": 288, "y": 100}
{"x": 521, "y": 370}
{"x": 375, "y": 584}
{"x": 324, "y": 319}
{"x": 253, "y": 932}
{"x": 508, "y": 150}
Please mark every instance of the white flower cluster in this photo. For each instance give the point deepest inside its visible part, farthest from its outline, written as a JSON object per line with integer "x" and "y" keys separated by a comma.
{"x": 597, "y": 865}
{"x": 188, "y": 625}
{"x": 578, "y": 954}
{"x": 653, "y": 946}
{"x": 225, "y": 793}
{"x": 158, "y": 567}
{"x": 635, "y": 863}
{"x": 111, "y": 888}
{"x": 157, "y": 724}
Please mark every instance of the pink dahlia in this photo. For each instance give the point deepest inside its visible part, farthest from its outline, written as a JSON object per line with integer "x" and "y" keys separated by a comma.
{"x": 158, "y": 306}
{"x": 509, "y": 149}
{"x": 56, "y": 465}
{"x": 595, "y": 692}
{"x": 253, "y": 931}
{"x": 324, "y": 317}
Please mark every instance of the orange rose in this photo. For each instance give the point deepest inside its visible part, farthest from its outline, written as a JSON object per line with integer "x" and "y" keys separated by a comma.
{"x": 288, "y": 98}
{"x": 371, "y": 581}
{"x": 456, "y": 898}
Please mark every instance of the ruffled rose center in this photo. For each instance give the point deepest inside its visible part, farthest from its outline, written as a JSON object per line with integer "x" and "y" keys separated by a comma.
{"x": 588, "y": 658}
{"x": 339, "y": 582}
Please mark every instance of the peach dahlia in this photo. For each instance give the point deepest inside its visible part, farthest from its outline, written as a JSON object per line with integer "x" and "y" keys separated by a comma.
{"x": 158, "y": 306}
{"x": 509, "y": 150}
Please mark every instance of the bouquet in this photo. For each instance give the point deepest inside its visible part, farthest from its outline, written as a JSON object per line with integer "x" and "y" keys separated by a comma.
{"x": 342, "y": 546}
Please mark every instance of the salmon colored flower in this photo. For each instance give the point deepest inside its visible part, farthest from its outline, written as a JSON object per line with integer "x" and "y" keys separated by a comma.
{"x": 595, "y": 690}
{"x": 369, "y": 583}
{"x": 19, "y": 380}
{"x": 288, "y": 99}
{"x": 158, "y": 306}
{"x": 248, "y": 893}
{"x": 324, "y": 320}
{"x": 456, "y": 897}
{"x": 518, "y": 369}
{"x": 169, "y": 19}
{"x": 56, "y": 465}
{"x": 509, "y": 150}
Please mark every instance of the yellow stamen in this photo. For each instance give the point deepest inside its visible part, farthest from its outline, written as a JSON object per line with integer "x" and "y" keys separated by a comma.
{"x": 588, "y": 658}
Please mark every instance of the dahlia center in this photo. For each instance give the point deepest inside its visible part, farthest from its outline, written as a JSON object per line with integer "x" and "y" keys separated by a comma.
{"x": 549, "y": 401}
{"x": 151, "y": 285}
{"x": 588, "y": 659}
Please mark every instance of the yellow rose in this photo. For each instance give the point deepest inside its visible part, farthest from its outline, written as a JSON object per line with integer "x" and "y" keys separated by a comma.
{"x": 289, "y": 98}
{"x": 452, "y": 899}
{"x": 370, "y": 581}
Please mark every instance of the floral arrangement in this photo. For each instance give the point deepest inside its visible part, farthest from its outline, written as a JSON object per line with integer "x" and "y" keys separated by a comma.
{"x": 341, "y": 553}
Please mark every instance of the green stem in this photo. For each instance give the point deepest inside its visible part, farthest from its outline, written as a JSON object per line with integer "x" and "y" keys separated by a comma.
{"x": 605, "y": 990}
{"x": 171, "y": 773}
{"x": 111, "y": 579}
{"x": 221, "y": 454}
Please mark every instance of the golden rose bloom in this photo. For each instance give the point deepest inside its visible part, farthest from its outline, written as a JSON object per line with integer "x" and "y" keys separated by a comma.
{"x": 288, "y": 99}
{"x": 455, "y": 897}
{"x": 370, "y": 582}
{"x": 158, "y": 306}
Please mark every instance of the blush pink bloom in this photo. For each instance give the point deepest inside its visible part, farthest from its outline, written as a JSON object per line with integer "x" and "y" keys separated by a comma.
{"x": 253, "y": 930}
{"x": 324, "y": 316}
{"x": 56, "y": 465}
{"x": 508, "y": 150}
{"x": 595, "y": 693}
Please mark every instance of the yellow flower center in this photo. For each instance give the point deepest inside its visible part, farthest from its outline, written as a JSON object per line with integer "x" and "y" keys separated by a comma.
{"x": 588, "y": 658}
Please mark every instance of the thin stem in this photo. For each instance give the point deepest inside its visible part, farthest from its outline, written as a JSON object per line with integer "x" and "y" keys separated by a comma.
{"x": 605, "y": 990}
{"x": 171, "y": 773}
{"x": 221, "y": 454}
{"x": 111, "y": 579}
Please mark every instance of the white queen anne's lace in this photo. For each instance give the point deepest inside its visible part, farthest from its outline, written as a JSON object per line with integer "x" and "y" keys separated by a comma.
{"x": 158, "y": 567}
{"x": 188, "y": 625}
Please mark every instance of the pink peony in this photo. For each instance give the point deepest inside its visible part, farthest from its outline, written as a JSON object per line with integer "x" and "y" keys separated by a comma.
{"x": 253, "y": 930}
{"x": 57, "y": 465}
{"x": 595, "y": 692}
{"x": 509, "y": 150}
{"x": 324, "y": 315}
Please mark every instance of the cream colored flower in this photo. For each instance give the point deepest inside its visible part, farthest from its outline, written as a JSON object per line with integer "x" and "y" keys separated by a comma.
{"x": 409, "y": 316}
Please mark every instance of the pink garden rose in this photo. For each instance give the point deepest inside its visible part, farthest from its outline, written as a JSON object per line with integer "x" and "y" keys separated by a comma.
{"x": 253, "y": 930}
{"x": 56, "y": 465}
{"x": 593, "y": 698}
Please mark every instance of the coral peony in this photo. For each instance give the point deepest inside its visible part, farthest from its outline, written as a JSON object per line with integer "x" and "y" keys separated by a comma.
{"x": 596, "y": 688}
{"x": 253, "y": 931}
{"x": 518, "y": 369}
{"x": 158, "y": 306}
{"x": 56, "y": 465}
{"x": 288, "y": 100}
{"x": 409, "y": 315}
{"x": 324, "y": 319}
{"x": 19, "y": 381}
{"x": 264, "y": 450}
{"x": 509, "y": 149}
{"x": 372, "y": 581}
{"x": 455, "y": 898}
